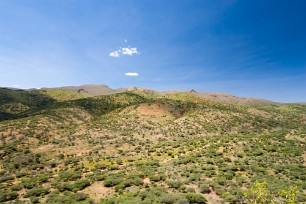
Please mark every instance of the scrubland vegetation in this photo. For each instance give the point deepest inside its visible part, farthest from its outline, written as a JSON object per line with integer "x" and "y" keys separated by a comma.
{"x": 138, "y": 147}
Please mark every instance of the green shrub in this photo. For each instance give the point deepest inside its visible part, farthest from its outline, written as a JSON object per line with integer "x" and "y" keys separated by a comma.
{"x": 112, "y": 182}
{"x": 100, "y": 166}
{"x": 34, "y": 200}
{"x": 190, "y": 190}
{"x": 137, "y": 181}
{"x": 204, "y": 188}
{"x": 16, "y": 187}
{"x": 68, "y": 198}
{"x": 38, "y": 191}
{"x": 29, "y": 182}
{"x": 7, "y": 196}
{"x": 69, "y": 176}
{"x": 80, "y": 185}
{"x": 231, "y": 199}
{"x": 167, "y": 199}
{"x": 182, "y": 201}
{"x": 195, "y": 198}
{"x": 174, "y": 184}
{"x": 20, "y": 174}
{"x": 2, "y": 172}
{"x": 73, "y": 186}
{"x": 6, "y": 178}
{"x": 80, "y": 196}
{"x": 258, "y": 152}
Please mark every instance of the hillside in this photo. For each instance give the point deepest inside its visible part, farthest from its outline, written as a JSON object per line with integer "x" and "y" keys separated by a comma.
{"x": 143, "y": 146}
{"x": 90, "y": 89}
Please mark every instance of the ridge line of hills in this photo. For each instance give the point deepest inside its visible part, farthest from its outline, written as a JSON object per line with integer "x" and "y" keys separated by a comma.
{"x": 89, "y": 90}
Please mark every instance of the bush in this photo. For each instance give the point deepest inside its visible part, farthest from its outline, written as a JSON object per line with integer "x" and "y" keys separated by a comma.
{"x": 231, "y": 199}
{"x": 195, "y": 198}
{"x": 204, "y": 188}
{"x": 34, "y": 200}
{"x": 38, "y": 191}
{"x": 174, "y": 184}
{"x": 258, "y": 152}
{"x": 80, "y": 185}
{"x": 29, "y": 183}
{"x": 20, "y": 174}
{"x": 43, "y": 178}
{"x": 182, "y": 201}
{"x": 68, "y": 198}
{"x": 7, "y": 178}
{"x": 100, "y": 166}
{"x": 113, "y": 167}
{"x": 221, "y": 180}
{"x": 16, "y": 187}
{"x": 190, "y": 190}
{"x": 167, "y": 199}
{"x": 120, "y": 187}
{"x": 137, "y": 182}
{"x": 73, "y": 186}
{"x": 2, "y": 172}
{"x": 80, "y": 196}
{"x": 69, "y": 176}
{"x": 6, "y": 196}
{"x": 112, "y": 182}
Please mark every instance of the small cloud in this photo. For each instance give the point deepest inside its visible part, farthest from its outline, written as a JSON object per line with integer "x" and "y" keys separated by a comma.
{"x": 129, "y": 51}
{"x": 114, "y": 54}
{"x": 124, "y": 51}
{"x": 15, "y": 86}
{"x": 125, "y": 40}
{"x": 134, "y": 74}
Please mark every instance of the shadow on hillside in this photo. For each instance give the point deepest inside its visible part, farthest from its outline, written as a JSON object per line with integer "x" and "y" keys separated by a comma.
{"x": 17, "y": 103}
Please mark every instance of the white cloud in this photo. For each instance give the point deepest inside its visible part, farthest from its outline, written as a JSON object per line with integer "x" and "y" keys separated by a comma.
{"x": 114, "y": 54}
{"x": 129, "y": 51}
{"x": 124, "y": 51}
{"x": 134, "y": 74}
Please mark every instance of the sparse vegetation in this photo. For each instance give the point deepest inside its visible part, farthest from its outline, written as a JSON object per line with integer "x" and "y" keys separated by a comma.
{"x": 142, "y": 147}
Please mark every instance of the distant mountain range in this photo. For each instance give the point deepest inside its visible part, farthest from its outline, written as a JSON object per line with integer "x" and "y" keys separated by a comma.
{"x": 90, "y": 90}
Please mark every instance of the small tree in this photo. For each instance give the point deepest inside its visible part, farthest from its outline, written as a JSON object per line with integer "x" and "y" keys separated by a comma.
{"x": 290, "y": 195}
{"x": 259, "y": 194}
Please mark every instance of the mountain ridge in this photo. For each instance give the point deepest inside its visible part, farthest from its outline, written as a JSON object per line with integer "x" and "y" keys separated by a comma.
{"x": 89, "y": 90}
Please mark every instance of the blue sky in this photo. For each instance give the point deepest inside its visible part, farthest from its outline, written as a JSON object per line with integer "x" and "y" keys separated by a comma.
{"x": 246, "y": 48}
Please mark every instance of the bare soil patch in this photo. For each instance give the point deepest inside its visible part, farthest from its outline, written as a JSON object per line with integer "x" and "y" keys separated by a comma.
{"x": 97, "y": 191}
